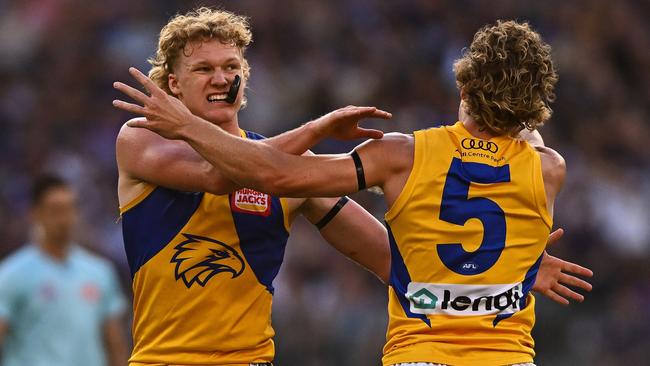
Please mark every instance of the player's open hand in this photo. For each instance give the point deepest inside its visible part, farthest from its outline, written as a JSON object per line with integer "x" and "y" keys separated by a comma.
{"x": 555, "y": 275}
{"x": 343, "y": 123}
{"x": 163, "y": 113}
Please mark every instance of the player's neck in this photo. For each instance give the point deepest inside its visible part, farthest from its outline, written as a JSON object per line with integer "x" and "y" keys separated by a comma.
{"x": 475, "y": 129}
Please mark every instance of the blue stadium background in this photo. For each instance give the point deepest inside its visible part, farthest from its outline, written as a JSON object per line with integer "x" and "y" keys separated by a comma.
{"x": 58, "y": 59}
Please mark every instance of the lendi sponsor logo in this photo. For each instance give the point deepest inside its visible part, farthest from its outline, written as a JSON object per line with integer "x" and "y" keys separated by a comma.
{"x": 464, "y": 300}
{"x": 479, "y": 145}
{"x": 251, "y": 201}
{"x": 423, "y": 299}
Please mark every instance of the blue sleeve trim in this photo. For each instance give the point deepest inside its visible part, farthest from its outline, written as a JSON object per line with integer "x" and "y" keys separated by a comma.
{"x": 254, "y": 135}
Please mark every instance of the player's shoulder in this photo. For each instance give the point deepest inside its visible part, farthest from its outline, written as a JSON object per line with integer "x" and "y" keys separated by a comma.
{"x": 553, "y": 166}
{"x": 552, "y": 161}
{"x": 133, "y": 142}
{"x": 127, "y": 137}
{"x": 127, "y": 131}
{"x": 132, "y": 135}
{"x": 394, "y": 151}
{"x": 398, "y": 137}
{"x": 400, "y": 145}
{"x": 393, "y": 140}
{"x": 407, "y": 140}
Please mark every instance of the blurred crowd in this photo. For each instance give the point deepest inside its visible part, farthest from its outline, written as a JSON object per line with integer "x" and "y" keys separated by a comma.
{"x": 58, "y": 59}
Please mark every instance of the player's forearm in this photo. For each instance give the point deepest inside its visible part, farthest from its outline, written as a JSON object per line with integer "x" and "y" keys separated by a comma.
{"x": 369, "y": 253}
{"x": 296, "y": 141}
{"x": 369, "y": 247}
{"x": 248, "y": 163}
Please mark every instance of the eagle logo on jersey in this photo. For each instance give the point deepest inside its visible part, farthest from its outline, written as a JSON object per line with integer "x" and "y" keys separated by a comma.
{"x": 198, "y": 259}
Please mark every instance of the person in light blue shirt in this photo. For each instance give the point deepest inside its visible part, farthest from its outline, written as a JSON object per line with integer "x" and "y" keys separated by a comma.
{"x": 59, "y": 304}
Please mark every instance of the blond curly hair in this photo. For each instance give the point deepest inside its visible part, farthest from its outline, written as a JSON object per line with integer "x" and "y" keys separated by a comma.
{"x": 202, "y": 24}
{"x": 507, "y": 78}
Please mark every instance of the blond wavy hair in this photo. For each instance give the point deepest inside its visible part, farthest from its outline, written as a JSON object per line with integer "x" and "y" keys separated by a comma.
{"x": 507, "y": 78}
{"x": 202, "y": 24}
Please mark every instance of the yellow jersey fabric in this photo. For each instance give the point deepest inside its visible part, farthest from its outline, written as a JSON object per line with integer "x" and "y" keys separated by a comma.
{"x": 467, "y": 234}
{"x": 202, "y": 267}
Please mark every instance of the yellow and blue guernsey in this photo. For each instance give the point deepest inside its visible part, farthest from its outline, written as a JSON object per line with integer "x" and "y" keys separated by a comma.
{"x": 202, "y": 267}
{"x": 467, "y": 234}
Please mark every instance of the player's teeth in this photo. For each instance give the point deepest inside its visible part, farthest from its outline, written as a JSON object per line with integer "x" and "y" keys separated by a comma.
{"x": 217, "y": 97}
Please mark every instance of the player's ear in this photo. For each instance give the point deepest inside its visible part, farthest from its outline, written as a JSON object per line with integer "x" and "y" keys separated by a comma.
{"x": 172, "y": 82}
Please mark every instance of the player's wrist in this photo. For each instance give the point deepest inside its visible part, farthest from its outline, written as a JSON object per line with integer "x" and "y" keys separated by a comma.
{"x": 316, "y": 130}
{"x": 192, "y": 128}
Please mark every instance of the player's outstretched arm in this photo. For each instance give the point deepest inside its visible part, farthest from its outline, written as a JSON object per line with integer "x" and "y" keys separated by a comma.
{"x": 144, "y": 156}
{"x": 264, "y": 168}
{"x": 555, "y": 275}
{"x": 256, "y": 165}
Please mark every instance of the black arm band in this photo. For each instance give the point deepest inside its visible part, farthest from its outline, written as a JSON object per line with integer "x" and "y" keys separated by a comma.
{"x": 361, "y": 178}
{"x": 330, "y": 215}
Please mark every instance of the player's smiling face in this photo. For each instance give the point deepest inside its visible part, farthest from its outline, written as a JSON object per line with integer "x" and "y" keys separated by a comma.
{"x": 202, "y": 77}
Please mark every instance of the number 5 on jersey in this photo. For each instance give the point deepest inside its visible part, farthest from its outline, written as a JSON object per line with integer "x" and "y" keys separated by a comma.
{"x": 457, "y": 208}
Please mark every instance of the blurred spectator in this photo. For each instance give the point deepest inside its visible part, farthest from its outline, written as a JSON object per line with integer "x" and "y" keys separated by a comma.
{"x": 60, "y": 57}
{"x": 59, "y": 304}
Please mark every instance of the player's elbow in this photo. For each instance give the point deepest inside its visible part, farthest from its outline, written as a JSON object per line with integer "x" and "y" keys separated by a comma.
{"x": 212, "y": 181}
{"x": 218, "y": 185}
